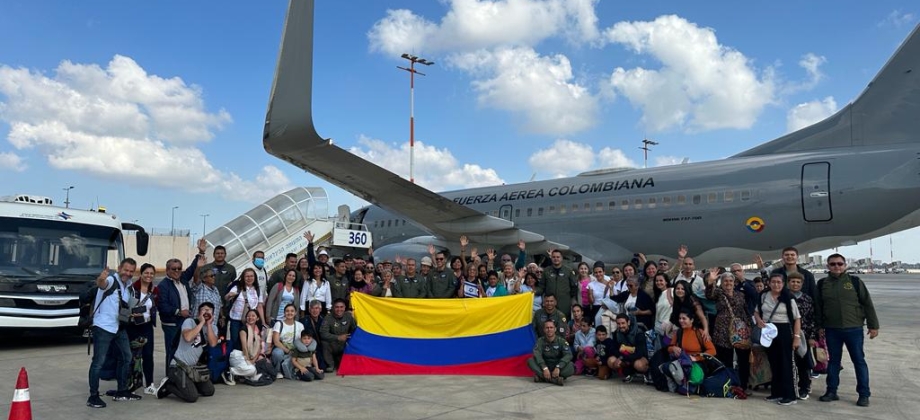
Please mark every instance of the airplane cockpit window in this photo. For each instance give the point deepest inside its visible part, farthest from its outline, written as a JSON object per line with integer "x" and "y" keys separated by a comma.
{"x": 637, "y": 204}
{"x": 697, "y": 199}
{"x": 745, "y": 195}
{"x": 652, "y": 202}
{"x": 729, "y": 196}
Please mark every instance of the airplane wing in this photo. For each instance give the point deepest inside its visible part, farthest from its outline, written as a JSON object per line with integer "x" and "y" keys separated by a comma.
{"x": 291, "y": 136}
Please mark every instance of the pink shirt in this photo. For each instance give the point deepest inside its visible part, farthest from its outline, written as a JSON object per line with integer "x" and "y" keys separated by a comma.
{"x": 585, "y": 291}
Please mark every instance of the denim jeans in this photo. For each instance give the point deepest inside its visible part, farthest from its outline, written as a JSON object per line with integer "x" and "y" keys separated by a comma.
{"x": 853, "y": 338}
{"x": 102, "y": 340}
{"x": 281, "y": 361}
{"x": 235, "y": 328}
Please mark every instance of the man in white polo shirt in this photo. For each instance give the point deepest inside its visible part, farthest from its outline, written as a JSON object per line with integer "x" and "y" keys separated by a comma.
{"x": 107, "y": 332}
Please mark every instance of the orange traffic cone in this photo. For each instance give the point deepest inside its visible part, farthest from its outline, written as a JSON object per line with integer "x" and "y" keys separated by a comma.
{"x": 21, "y": 408}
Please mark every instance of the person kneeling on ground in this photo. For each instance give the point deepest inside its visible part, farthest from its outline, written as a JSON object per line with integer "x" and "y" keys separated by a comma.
{"x": 185, "y": 377}
{"x": 552, "y": 357}
{"x": 336, "y": 330}
{"x": 632, "y": 353}
{"x": 303, "y": 358}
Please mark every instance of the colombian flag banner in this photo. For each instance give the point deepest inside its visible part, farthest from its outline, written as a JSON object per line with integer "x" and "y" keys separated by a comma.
{"x": 491, "y": 336}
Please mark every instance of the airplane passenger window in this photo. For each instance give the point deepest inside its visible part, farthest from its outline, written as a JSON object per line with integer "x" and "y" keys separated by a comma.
{"x": 389, "y": 223}
{"x": 624, "y": 205}
{"x": 517, "y": 212}
{"x": 745, "y": 195}
{"x": 638, "y": 203}
{"x": 562, "y": 209}
{"x": 574, "y": 208}
{"x": 552, "y": 209}
{"x": 494, "y": 213}
{"x": 404, "y": 222}
{"x": 599, "y": 207}
{"x": 681, "y": 200}
{"x": 729, "y": 196}
{"x": 697, "y": 199}
{"x": 652, "y": 202}
{"x": 712, "y": 197}
{"x": 612, "y": 205}
{"x": 666, "y": 201}
{"x": 539, "y": 211}
{"x": 529, "y": 212}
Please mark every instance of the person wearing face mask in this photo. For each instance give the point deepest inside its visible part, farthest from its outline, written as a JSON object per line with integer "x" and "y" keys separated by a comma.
{"x": 258, "y": 262}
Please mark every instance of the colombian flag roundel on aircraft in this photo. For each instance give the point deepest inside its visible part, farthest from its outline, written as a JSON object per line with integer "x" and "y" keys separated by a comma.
{"x": 755, "y": 224}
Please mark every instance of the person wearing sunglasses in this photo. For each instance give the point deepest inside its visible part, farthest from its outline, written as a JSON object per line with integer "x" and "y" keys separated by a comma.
{"x": 842, "y": 307}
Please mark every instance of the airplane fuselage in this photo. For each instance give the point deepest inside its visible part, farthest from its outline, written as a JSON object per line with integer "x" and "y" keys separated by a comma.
{"x": 725, "y": 210}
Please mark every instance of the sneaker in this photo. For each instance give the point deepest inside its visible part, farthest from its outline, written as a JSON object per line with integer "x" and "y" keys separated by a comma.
{"x": 828, "y": 397}
{"x": 648, "y": 379}
{"x": 161, "y": 391}
{"x": 786, "y": 401}
{"x": 329, "y": 369}
{"x": 228, "y": 378}
{"x": 863, "y": 401}
{"x": 151, "y": 390}
{"x": 279, "y": 376}
{"x": 95, "y": 402}
{"x": 772, "y": 399}
{"x": 803, "y": 394}
{"x": 559, "y": 381}
{"x": 126, "y": 396}
{"x": 814, "y": 375}
{"x": 628, "y": 379}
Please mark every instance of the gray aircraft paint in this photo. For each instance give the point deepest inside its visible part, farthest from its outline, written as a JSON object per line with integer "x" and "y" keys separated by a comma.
{"x": 851, "y": 177}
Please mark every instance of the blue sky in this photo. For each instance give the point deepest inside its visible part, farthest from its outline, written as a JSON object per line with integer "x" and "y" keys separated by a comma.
{"x": 143, "y": 106}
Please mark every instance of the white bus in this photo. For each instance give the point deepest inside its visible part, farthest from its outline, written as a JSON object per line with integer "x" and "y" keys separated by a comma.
{"x": 49, "y": 255}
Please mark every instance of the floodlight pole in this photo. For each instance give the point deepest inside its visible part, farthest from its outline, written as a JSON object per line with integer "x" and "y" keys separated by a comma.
{"x": 645, "y": 147}
{"x": 412, "y": 72}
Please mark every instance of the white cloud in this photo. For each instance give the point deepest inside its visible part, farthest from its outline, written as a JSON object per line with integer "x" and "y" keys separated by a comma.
{"x": 120, "y": 122}
{"x": 668, "y": 160}
{"x": 897, "y": 19}
{"x": 811, "y": 63}
{"x": 805, "y": 114}
{"x": 566, "y": 158}
{"x": 473, "y": 24}
{"x": 541, "y": 88}
{"x": 11, "y": 162}
{"x": 435, "y": 169}
{"x": 701, "y": 85}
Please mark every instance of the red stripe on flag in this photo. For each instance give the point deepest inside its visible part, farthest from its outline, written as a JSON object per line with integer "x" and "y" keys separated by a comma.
{"x": 362, "y": 365}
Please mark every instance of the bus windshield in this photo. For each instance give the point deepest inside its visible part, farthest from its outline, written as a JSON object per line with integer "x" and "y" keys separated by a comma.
{"x": 35, "y": 248}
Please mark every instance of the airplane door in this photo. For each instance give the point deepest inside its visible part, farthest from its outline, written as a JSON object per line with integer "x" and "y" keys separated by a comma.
{"x": 816, "y": 192}
{"x": 505, "y": 212}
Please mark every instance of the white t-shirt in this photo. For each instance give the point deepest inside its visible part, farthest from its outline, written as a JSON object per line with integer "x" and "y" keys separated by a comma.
{"x": 148, "y": 304}
{"x": 252, "y": 298}
{"x": 630, "y": 302}
{"x": 286, "y": 333}
{"x": 597, "y": 291}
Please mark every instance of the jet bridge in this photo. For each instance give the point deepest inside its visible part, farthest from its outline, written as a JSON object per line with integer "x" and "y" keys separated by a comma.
{"x": 276, "y": 227}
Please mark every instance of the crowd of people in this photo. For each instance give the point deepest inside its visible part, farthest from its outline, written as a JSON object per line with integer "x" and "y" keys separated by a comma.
{"x": 632, "y": 321}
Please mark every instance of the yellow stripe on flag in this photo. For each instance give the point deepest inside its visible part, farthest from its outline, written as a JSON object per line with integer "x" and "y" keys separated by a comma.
{"x": 441, "y": 318}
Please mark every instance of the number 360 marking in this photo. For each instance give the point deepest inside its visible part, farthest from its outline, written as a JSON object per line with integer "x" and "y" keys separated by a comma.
{"x": 357, "y": 238}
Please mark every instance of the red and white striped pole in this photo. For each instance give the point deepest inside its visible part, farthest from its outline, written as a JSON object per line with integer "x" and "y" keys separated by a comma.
{"x": 21, "y": 408}
{"x": 412, "y": 72}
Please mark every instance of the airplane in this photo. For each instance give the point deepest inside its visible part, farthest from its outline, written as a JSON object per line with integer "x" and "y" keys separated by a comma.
{"x": 848, "y": 178}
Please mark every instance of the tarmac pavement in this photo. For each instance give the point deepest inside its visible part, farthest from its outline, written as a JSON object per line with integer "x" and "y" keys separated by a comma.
{"x": 57, "y": 368}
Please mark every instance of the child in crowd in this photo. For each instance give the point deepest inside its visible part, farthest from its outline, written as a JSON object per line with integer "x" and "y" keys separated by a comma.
{"x": 604, "y": 348}
{"x": 303, "y": 358}
{"x": 584, "y": 348}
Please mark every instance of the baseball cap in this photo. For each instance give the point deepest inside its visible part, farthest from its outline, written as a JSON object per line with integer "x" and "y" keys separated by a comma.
{"x": 767, "y": 334}
{"x": 426, "y": 261}
{"x": 347, "y": 257}
{"x": 323, "y": 252}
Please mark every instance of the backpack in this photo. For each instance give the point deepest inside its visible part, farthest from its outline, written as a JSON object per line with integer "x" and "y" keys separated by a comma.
{"x": 720, "y": 382}
{"x": 88, "y": 305}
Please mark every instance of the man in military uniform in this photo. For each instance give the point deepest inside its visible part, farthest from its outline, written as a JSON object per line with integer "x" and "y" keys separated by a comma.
{"x": 442, "y": 283}
{"x": 338, "y": 284}
{"x": 552, "y": 358}
{"x": 336, "y": 330}
{"x": 412, "y": 284}
{"x": 549, "y": 313}
{"x": 559, "y": 280}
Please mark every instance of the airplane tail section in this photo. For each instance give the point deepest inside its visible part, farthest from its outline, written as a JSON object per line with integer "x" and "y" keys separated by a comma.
{"x": 887, "y": 112}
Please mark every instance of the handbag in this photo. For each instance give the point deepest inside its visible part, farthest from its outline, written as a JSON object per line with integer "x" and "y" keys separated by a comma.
{"x": 140, "y": 309}
{"x": 738, "y": 332}
{"x": 820, "y": 354}
{"x": 125, "y": 307}
{"x": 197, "y": 373}
{"x": 757, "y": 331}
